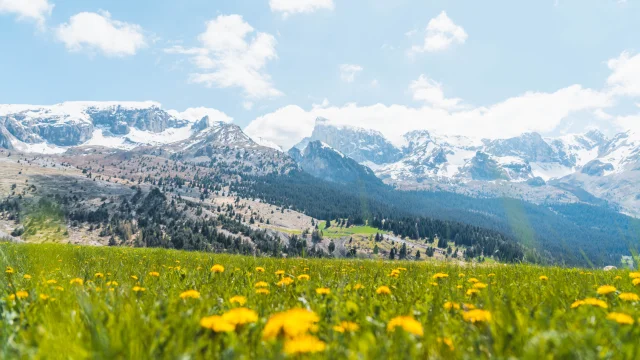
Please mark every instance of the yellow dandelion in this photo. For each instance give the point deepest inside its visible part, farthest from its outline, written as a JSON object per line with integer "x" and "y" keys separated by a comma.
{"x": 260, "y": 269}
{"x": 617, "y": 277}
{"x": 346, "y": 326}
{"x": 447, "y": 341}
{"x": 476, "y": 315}
{"x": 52, "y": 282}
{"x": 138, "y": 289}
{"x": 394, "y": 273}
{"x": 620, "y": 318}
{"x": 76, "y": 281}
{"x": 590, "y": 301}
{"x": 190, "y": 294}
{"x": 98, "y": 275}
{"x": 636, "y": 282}
{"x": 291, "y": 323}
{"x": 261, "y": 284}
{"x": 434, "y": 284}
{"x": 285, "y": 281}
{"x": 383, "y": 290}
{"x": 629, "y": 297}
{"x": 22, "y": 294}
{"x": 154, "y": 274}
{"x": 407, "y": 323}
{"x": 263, "y": 291}
{"x": 134, "y": 277}
{"x": 440, "y": 276}
{"x": 472, "y": 292}
{"x": 461, "y": 275}
{"x": 606, "y": 290}
{"x": 479, "y": 285}
{"x": 451, "y": 305}
{"x": 43, "y": 297}
{"x": 217, "y": 324}
{"x": 217, "y": 268}
{"x": 468, "y": 307}
{"x": 473, "y": 280}
{"x": 304, "y": 277}
{"x": 9, "y": 270}
{"x": 323, "y": 291}
{"x": 543, "y": 278}
{"x": 26, "y": 277}
{"x": 358, "y": 286}
{"x": 304, "y": 344}
{"x": 240, "y": 316}
{"x": 634, "y": 275}
{"x": 280, "y": 272}
{"x": 240, "y": 300}
{"x": 59, "y": 288}
{"x": 491, "y": 275}
{"x": 112, "y": 283}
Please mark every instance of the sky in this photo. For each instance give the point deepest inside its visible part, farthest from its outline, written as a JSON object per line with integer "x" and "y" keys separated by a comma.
{"x": 489, "y": 69}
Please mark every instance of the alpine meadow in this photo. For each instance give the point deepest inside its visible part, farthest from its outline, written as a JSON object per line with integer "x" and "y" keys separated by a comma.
{"x": 78, "y": 302}
{"x": 320, "y": 179}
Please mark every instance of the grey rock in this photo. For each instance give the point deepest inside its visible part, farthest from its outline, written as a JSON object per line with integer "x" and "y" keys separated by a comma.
{"x": 324, "y": 162}
{"x": 596, "y": 168}
{"x": 359, "y": 144}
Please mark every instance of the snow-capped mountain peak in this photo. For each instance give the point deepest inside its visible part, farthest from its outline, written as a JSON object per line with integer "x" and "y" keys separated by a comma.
{"x": 114, "y": 124}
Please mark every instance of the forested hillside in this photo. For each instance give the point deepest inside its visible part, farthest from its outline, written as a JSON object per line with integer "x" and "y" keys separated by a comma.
{"x": 572, "y": 234}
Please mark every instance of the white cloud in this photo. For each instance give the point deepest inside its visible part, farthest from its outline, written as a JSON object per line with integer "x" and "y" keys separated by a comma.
{"x": 285, "y": 126}
{"x": 348, "y": 72}
{"x": 228, "y": 58}
{"x": 430, "y": 91}
{"x": 532, "y": 111}
{"x": 325, "y": 103}
{"x": 411, "y": 32}
{"x": 441, "y": 32}
{"x": 290, "y": 7}
{"x": 36, "y": 10}
{"x": 625, "y": 74}
{"x": 247, "y": 105}
{"x": 98, "y": 31}
{"x": 197, "y": 113}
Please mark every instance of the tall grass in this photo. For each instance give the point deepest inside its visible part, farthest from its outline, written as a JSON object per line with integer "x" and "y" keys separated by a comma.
{"x": 530, "y": 318}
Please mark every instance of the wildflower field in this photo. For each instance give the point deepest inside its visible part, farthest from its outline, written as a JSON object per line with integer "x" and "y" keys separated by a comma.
{"x": 62, "y": 301}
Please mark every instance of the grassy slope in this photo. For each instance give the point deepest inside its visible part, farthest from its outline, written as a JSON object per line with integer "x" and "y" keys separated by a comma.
{"x": 335, "y": 231}
{"x": 529, "y": 317}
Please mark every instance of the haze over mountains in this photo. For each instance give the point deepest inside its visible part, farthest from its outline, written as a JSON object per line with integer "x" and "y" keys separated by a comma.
{"x": 588, "y": 167}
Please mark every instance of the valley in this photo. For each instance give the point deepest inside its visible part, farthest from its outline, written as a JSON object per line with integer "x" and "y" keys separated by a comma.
{"x": 98, "y": 165}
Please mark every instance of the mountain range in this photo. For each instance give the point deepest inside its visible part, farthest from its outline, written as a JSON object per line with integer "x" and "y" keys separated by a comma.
{"x": 588, "y": 167}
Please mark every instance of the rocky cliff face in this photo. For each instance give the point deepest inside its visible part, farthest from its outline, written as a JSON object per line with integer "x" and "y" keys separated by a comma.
{"x": 359, "y": 144}
{"x": 76, "y": 123}
{"x": 529, "y": 147}
{"x": 120, "y": 119}
{"x": 324, "y": 162}
{"x": 5, "y": 139}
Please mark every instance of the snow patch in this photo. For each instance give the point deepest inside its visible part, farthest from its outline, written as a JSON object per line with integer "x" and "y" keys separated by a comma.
{"x": 266, "y": 143}
{"x": 548, "y": 171}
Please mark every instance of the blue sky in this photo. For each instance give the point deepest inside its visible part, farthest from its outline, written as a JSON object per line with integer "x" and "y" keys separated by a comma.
{"x": 492, "y": 68}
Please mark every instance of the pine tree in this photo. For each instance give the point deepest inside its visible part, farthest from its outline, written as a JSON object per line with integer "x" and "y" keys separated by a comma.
{"x": 332, "y": 247}
{"x": 418, "y": 255}
{"x": 403, "y": 252}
